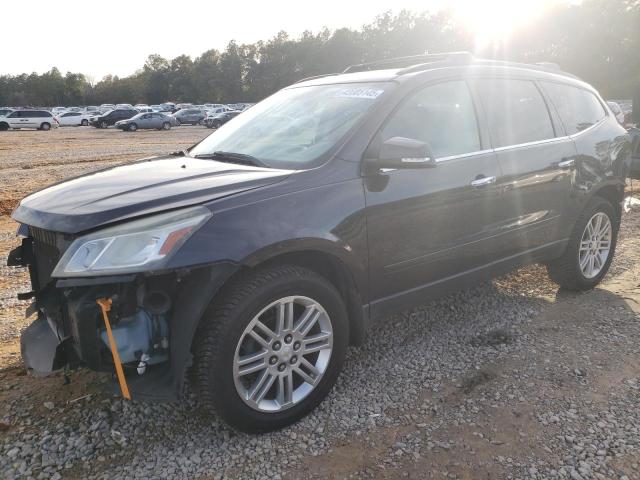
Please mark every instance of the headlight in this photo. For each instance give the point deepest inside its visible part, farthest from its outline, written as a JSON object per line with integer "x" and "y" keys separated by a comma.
{"x": 139, "y": 245}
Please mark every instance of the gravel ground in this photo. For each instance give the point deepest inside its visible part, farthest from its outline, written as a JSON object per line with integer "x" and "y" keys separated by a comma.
{"x": 511, "y": 379}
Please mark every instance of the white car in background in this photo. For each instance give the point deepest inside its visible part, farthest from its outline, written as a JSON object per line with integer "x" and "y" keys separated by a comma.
{"x": 38, "y": 119}
{"x": 73, "y": 119}
{"x": 58, "y": 110}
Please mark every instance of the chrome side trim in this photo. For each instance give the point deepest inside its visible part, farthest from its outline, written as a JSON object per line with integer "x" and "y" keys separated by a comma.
{"x": 530, "y": 144}
{"x": 463, "y": 155}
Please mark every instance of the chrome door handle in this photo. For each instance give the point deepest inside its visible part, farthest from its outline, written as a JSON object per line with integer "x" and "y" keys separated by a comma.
{"x": 566, "y": 163}
{"x": 481, "y": 182}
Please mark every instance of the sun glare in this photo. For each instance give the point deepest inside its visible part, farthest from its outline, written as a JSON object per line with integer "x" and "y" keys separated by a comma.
{"x": 492, "y": 21}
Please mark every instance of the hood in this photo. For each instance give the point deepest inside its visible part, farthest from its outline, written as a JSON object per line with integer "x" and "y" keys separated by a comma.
{"x": 135, "y": 189}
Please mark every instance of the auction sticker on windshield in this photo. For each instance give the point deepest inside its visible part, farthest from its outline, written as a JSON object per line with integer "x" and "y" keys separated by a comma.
{"x": 369, "y": 93}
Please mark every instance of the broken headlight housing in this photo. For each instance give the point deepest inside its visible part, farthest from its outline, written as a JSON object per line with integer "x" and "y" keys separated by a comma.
{"x": 140, "y": 245}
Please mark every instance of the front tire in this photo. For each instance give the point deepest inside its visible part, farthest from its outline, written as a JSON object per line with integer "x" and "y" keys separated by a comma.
{"x": 166, "y": 126}
{"x": 133, "y": 127}
{"x": 271, "y": 348}
{"x": 104, "y": 124}
{"x": 84, "y": 123}
{"x": 590, "y": 250}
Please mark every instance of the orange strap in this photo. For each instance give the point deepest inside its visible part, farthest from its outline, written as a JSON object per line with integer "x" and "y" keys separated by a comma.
{"x": 105, "y": 306}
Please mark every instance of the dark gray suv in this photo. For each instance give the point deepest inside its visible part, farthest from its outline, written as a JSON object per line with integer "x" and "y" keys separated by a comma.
{"x": 257, "y": 256}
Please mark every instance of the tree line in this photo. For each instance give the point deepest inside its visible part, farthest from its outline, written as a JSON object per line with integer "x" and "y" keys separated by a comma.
{"x": 598, "y": 40}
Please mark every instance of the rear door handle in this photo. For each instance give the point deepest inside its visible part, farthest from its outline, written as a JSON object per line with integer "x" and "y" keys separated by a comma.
{"x": 566, "y": 163}
{"x": 481, "y": 182}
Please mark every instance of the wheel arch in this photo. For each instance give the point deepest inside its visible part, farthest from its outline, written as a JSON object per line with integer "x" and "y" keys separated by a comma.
{"x": 614, "y": 194}
{"x": 329, "y": 266}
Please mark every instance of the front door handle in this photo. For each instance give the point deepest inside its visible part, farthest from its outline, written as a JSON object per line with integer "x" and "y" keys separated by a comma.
{"x": 483, "y": 181}
{"x": 566, "y": 163}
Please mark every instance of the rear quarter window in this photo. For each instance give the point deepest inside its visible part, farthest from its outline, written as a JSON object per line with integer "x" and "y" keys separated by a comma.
{"x": 516, "y": 112}
{"x": 578, "y": 108}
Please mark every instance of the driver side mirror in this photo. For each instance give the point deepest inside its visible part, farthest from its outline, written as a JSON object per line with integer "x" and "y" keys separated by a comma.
{"x": 401, "y": 152}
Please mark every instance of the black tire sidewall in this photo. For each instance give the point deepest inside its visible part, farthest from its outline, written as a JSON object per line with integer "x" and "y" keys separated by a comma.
{"x": 596, "y": 205}
{"x": 227, "y": 401}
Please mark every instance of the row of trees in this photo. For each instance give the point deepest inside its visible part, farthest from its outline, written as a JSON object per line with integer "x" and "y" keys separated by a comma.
{"x": 599, "y": 40}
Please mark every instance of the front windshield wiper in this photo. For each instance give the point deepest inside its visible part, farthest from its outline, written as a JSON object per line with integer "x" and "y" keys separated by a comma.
{"x": 233, "y": 157}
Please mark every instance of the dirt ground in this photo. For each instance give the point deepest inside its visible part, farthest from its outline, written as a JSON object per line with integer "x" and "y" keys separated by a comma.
{"x": 533, "y": 411}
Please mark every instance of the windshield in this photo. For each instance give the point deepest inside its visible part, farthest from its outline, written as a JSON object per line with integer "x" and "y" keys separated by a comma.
{"x": 297, "y": 127}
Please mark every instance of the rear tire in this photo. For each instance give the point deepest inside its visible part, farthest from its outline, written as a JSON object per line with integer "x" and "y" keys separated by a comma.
{"x": 104, "y": 124}
{"x": 590, "y": 250}
{"x": 225, "y": 340}
{"x": 45, "y": 126}
{"x": 4, "y": 127}
{"x": 84, "y": 123}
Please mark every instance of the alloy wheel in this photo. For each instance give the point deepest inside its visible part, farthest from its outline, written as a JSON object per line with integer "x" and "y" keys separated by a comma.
{"x": 282, "y": 354}
{"x": 595, "y": 245}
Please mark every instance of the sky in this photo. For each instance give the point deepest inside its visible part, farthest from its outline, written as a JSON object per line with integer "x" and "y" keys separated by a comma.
{"x": 116, "y": 36}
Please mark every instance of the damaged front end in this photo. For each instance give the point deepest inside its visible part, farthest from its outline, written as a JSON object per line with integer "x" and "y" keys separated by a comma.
{"x": 152, "y": 315}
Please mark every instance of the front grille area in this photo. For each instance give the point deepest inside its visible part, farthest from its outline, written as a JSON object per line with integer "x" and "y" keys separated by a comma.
{"x": 43, "y": 236}
{"x": 46, "y": 254}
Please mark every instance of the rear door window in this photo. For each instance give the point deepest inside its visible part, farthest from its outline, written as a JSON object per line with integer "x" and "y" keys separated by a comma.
{"x": 442, "y": 115}
{"x": 578, "y": 108}
{"x": 516, "y": 112}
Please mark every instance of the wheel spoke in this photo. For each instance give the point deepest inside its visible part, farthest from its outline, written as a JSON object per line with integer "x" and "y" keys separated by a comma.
{"x": 307, "y": 320}
{"x": 309, "y": 373}
{"x": 316, "y": 342}
{"x": 285, "y": 389}
{"x": 284, "y": 319}
{"x": 266, "y": 330}
{"x": 261, "y": 386}
{"x": 596, "y": 227}
{"x": 252, "y": 363}
{"x": 259, "y": 339}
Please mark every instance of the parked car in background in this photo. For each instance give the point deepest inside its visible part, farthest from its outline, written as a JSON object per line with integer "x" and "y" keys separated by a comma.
{"x": 212, "y": 112}
{"x": 617, "y": 111}
{"x": 38, "y": 119}
{"x": 181, "y": 106}
{"x": 112, "y": 116}
{"x": 124, "y": 105}
{"x": 144, "y": 109}
{"x": 220, "y": 119}
{"x": 169, "y": 107}
{"x": 72, "y": 119}
{"x": 152, "y": 120}
{"x": 192, "y": 116}
{"x": 91, "y": 109}
{"x": 105, "y": 107}
{"x": 58, "y": 110}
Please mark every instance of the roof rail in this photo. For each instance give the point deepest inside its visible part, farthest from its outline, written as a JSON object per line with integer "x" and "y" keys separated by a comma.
{"x": 549, "y": 66}
{"x": 316, "y": 76}
{"x": 412, "y": 61}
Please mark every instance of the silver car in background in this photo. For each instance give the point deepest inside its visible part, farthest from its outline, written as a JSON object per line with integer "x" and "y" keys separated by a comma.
{"x": 153, "y": 120}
